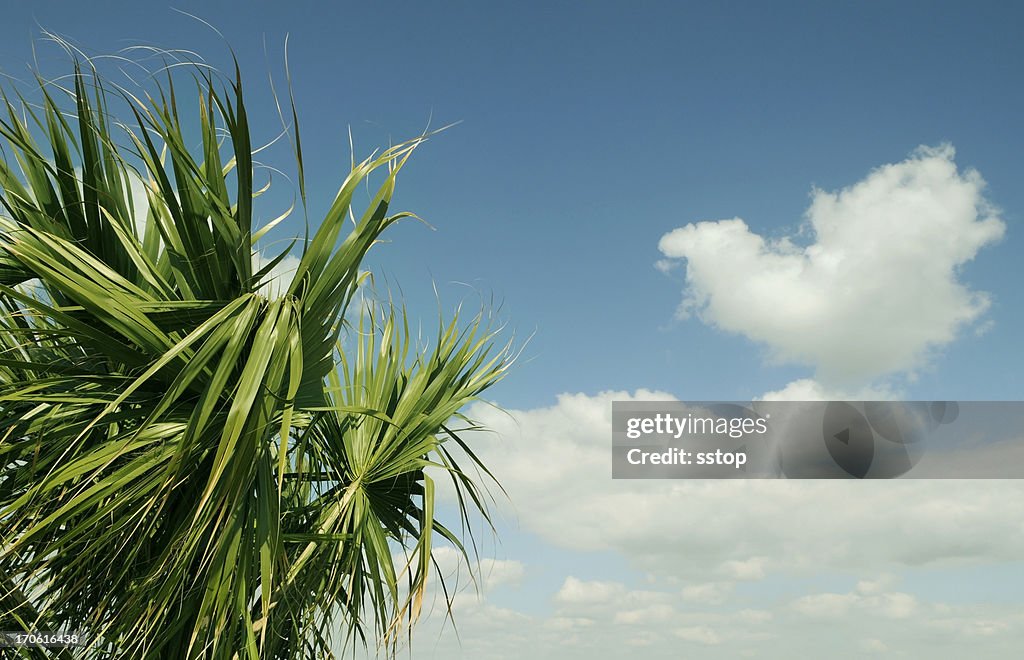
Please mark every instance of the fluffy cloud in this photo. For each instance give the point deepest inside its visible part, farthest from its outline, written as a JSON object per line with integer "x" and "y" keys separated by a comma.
{"x": 575, "y": 591}
{"x": 751, "y": 569}
{"x": 809, "y": 389}
{"x": 555, "y": 463}
{"x": 894, "y": 605}
{"x": 877, "y": 288}
{"x": 710, "y": 593}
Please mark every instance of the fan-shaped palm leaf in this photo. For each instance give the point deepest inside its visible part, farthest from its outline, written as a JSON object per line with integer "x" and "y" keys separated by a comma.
{"x": 188, "y": 466}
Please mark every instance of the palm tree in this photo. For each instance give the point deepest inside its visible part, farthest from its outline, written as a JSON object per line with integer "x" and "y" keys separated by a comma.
{"x": 191, "y": 466}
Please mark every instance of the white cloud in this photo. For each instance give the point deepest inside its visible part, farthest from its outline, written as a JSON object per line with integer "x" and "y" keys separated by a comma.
{"x": 979, "y": 627}
{"x": 277, "y": 281}
{"x": 876, "y": 586}
{"x": 873, "y": 645}
{"x": 482, "y": 575}
{"x": 699, "y": 634}
{"x": 809, "y": 389}
{"x": 501, "y": 572}
{"x": 139, "y": 200}
{"x": 891, "y": 605}
{"x": 645, "y": 615}
{"x": 709, "y": 593}
{"x": 576, "y": 592}
{"x": 877, "y": 288}
{"x": 555, "y": 463}
{"x": 750, "y": 569}
{"x": 754, "y": 616}
{"x": 565, "y": 624}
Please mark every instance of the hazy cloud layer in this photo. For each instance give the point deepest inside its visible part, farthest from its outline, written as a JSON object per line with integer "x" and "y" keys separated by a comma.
{"x": 606, "y": 620}
{"x": 877, "y": 287}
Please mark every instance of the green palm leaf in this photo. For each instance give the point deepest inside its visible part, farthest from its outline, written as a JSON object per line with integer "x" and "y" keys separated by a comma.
{"x": 190, "y": 467}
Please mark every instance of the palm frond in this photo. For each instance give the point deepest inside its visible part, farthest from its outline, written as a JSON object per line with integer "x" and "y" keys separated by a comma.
{"x": 188, "y": 466}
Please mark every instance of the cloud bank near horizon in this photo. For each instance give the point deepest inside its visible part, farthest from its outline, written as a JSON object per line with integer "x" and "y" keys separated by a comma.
{"x": 713, "y": 568}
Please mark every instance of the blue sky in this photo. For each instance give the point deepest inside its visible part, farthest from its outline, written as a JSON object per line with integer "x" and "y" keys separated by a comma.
{"x": 590, "y": 131}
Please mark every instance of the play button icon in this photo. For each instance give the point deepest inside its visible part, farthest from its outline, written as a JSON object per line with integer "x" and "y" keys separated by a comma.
{"x": 849, "y": 438}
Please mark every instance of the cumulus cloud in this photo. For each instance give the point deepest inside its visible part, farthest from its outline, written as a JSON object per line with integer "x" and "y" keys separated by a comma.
{"x": 891, "y": 605}
{"x": 750, "y": 569}
{"x": 555, "y": 463}
{"x": 576, "y": 591}
{"x": 809, "y": 389}
{"x": 876, "y": 289}
{"x": 709, "y": 593}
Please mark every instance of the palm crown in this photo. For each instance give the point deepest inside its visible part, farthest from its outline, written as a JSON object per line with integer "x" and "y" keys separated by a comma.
{"x": 190, "y": 466}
